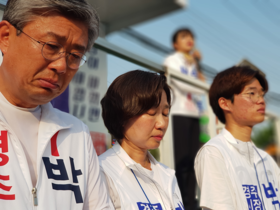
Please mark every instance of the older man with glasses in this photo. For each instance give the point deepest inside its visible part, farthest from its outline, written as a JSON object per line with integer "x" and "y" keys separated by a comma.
{"x": 47, "y": 160}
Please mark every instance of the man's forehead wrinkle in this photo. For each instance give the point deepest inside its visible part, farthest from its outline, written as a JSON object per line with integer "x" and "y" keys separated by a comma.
{"x": 55, "y": 35}
{"x": 52, "y": 31}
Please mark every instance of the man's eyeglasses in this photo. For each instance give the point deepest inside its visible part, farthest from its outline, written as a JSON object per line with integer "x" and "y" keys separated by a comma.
{"x": 53, "y": 51}
{"x": 254, "y": 96}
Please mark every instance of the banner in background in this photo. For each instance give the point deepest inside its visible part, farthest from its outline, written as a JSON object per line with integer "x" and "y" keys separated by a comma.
{"x": 86, "y": 90}
{"x": 82, "y": 97}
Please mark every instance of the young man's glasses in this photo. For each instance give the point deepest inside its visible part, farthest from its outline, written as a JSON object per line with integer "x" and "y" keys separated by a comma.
{"x": 254, "y": 95}
{"x": 53, "y": 51}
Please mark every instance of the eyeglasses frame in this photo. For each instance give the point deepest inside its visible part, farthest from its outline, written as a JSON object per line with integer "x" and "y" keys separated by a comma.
{"x": 44, "y": 43}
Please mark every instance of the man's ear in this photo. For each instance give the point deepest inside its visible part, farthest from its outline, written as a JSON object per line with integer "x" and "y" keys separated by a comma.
{"x": 224, "y": 103}
{"x": 5, "y": 29}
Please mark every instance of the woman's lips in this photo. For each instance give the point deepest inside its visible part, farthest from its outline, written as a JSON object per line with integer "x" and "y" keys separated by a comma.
{"x": 158, "y": 137}
{"x": 48, "y": 84}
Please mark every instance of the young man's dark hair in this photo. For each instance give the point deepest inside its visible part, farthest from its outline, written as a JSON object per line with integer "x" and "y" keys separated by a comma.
{"x": 230, "y": 82}
{"x": 185, "y": 30}
{"x": 131, "y": 94}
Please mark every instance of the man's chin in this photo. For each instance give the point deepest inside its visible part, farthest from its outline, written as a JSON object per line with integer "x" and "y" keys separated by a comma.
{"x": 43, "y": 96}
{"x": 258, "y": 120}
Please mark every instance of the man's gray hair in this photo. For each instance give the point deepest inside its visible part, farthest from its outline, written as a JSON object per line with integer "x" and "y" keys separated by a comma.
{"x": 21, "y": 12}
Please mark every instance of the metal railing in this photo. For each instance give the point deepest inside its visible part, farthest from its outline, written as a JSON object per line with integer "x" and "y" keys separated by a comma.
{"x": 167, "y": 145}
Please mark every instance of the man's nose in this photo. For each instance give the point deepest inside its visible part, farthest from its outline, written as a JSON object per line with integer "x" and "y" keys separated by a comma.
{"x": 59, "y": 65}
{"x": 261, "y": 100}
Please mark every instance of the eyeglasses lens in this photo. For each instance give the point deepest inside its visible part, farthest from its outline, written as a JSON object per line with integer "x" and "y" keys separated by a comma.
{"x": 54, "y": 51}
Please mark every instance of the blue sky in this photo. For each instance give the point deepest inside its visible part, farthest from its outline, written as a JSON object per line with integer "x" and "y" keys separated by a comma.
{"x": 226, "y": 32}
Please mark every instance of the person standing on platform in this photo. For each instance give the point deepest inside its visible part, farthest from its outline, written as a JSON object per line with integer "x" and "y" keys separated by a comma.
{"x": 231, "y": 171}
{"x": 47, "y": 160}
{"x": 186, "y": 111}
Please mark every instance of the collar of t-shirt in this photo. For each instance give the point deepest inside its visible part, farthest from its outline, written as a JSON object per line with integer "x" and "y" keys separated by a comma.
{"x": 24, "y": 123}
{"x": 246, "y": 149}
{"x": 153, "y": 174}
{"x": 128, "y": 161}
{"x": 150, "y": 173}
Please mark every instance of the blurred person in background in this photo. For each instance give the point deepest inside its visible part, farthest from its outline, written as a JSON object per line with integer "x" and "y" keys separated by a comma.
{"x": 231, "y": 171}
{"x": 135, "y": 110}
{"x": 186, "y": 111}
{"x": 47, "y": 160}
{"x": 185, "y": 58}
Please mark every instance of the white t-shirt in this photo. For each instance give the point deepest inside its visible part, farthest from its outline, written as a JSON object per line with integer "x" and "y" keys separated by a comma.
{"x": 223, "y": 179}
{"x": 186, "y": 98}
{"x": 152, "y": 174}
{"x": 24, "y": 122}
{"x": 214, "y": 180}
{"x": 178, "y": 62}
{"x": 159, "y": 184}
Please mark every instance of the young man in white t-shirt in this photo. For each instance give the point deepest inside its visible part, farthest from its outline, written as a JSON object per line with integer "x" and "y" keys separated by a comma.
{"x": 185, "y": 112}
{"x": 185, "y": 58}
{"x": 231, "y": 172}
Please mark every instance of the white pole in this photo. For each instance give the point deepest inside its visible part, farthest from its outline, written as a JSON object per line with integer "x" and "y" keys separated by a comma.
{"x": 277, "y": 137}
{"x": 166, "y": 146}
{"x": 212, "y": 119}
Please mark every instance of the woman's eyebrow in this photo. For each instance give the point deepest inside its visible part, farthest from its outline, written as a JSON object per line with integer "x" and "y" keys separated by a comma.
{"x": 167, "y": 106}
{"x": 251, "y": 88}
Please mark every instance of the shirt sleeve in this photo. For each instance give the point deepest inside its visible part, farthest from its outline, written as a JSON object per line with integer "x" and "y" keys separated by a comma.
{"x": 96, "y": 195}
{"x": 171, "y": 63}
{"x": 213, "y": 180}
{"x": 166, "y": 62}
{"x": 276, "y": 170}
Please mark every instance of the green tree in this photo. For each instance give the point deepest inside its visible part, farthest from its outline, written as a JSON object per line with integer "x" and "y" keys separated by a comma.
{"x": 155, "y": 153}
{"x": 264, "y": 135}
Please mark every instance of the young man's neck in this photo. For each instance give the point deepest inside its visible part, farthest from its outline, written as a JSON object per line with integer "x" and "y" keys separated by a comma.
{"x": 242, "y": 133}
{"x": 184, "y": 52}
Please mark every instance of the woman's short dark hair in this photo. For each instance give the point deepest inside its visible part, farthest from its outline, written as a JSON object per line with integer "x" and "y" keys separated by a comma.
{"x": 185, "y": 30}
{"x": 131, "y": 94}
{"x": 231, "y": 82}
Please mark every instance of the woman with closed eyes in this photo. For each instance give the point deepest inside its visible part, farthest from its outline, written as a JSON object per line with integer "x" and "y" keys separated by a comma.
{"x": 135, "y": 110}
